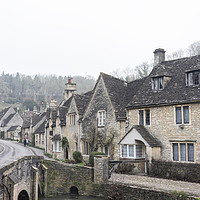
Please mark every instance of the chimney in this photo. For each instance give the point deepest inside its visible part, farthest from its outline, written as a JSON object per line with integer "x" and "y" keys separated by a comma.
{"x": 53, "y": 104}
{"x": 70, "y": 88}
{"x": 159, "y": 56}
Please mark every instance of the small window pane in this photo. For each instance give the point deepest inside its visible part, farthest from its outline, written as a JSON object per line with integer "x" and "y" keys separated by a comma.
{"x": 161, "y": 83}
{"x": 190, "y": 79}
{"x": 155, "y": 80}
{"x": 191, "y": 152}
{"x": 147, "y": 112}
{"x": 141, "y": 116}
{"x": 124, "y": 150}
{"x": 178, "y": 115}
{"x": 138, "y": 151}
{"x": 196, "y": 78}
{"x": 183, "y": 151}
{"x": 175, "y": 152}
{"x": 186, "y": 114}
{"x": 131, "y": 151}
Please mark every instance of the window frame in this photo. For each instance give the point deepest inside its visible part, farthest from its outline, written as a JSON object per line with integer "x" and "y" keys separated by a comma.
{"x": 125, "y": 148}
{"x": 182, "y": 115}
{"x": 144, "y": 120}
{"x": 72, "y": 119}
{"x": 191, "y": 78}
{"x": 101, "y": 118}
{"x": 158, "y": 83}
{"x": 180, "y": 157}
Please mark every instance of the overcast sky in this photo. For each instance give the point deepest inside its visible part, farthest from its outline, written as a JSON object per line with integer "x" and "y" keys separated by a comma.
{"x": 86, "y": 37}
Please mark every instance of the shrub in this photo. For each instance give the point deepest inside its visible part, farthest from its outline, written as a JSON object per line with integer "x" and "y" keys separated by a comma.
{"x": 77, "y": 156}
{"x": 91, "y": 157}
{"x": 125, "y": 168}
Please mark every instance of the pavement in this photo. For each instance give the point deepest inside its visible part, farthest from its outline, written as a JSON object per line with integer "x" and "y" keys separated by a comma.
{"x": 157, "y": 184}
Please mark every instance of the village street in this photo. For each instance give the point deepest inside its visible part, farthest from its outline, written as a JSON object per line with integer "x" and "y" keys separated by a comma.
{"x": 10, "y": 151}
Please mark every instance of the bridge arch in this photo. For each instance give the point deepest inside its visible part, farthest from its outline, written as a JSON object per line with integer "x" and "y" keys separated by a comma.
{"x": 74, "y": 190}
{"x": 23, "y": 195}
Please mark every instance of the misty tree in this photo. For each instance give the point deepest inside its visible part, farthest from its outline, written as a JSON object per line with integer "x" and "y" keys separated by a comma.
{"x": 127, "y": 74}
{"x": 175, "y": 55}
{"x": 143, "y": 70}
{"x": 194, "y": 49}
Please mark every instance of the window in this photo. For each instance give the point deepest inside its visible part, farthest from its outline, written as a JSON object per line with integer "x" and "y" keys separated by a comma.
{"x": 51, "y": 133}
{"x": 42, "y": 138}
{"x": 132, "y": 151}
{"x": 72, "y": 119}
{"x": 144, "y": 117}
{"x": 183, "y": 152}
{"x": 85, "y": 148}
{"x": 192, "y": 78}
{"x": 57, "y": 146}
{"x": 182, "y": 115}
{"x": 101, "y": 118}
{"x": 157, "y": 83}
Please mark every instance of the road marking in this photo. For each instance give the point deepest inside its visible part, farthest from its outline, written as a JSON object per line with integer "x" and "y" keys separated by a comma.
{"x": 3, "y": 149}
{"x": 32, "y": 151}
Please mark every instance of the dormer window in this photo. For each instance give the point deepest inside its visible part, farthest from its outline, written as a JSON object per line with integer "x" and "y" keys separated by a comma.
{"x": 192, "y": 78}
{"x": 157, "y": 83}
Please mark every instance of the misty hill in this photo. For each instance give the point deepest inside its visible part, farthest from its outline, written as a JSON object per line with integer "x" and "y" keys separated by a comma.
{"x": 17, "y": 88}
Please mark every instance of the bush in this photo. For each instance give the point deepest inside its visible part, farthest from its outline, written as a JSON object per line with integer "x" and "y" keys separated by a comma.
{"x": 77, "y": 156}
{"x": 125, "y": 168}
{"x": 91, "y": 157}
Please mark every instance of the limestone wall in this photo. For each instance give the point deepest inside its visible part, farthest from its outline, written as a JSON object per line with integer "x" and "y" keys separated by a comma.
{"x": 163, "y": 126}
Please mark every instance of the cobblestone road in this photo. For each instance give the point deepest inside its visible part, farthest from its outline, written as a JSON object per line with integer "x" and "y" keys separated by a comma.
{"x": 157, "y": 183}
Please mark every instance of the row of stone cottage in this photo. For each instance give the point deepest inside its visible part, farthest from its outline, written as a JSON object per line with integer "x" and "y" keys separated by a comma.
{"x": 156, "y": 118}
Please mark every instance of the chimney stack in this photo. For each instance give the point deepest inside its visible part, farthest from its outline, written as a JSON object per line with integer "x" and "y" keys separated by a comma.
{"x": 70, "y": 88}
{"x": 159, "y": 56}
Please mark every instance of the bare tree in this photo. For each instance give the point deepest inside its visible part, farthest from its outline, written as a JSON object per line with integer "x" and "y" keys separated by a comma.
{"x": 175, "y": 55}
{"x": 143, "y": 70}
{"x": 127, "y": 74}
{"x": 194, "y": 49}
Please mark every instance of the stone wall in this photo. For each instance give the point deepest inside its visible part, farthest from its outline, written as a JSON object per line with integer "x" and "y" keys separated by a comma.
{"x": 176, "y": 171}
{"x": 61, "y": 177}
{"x": 123, "y": 192}
{"x": 163, "y": 126}
{"x": 101, "y": 101}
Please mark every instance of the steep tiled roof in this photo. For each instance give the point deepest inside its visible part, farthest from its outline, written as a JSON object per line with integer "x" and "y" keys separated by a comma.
{"x": 81, "y": 103}
{"x": 5, "y": 121}
{"x": 41, "y": 128}
{"x": 3, "y": 112}
{"x": 12, "y": 128}
{"x": 116, "y": 91}
{"x": 175, "y": 91}
{"x": 146, "y": 135}
{"x": 26, "y": 122}
{"x": 62, "y": 115}
{"x": 37, "y": 118}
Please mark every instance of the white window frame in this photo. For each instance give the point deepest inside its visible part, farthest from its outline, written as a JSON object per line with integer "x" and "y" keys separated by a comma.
{"x": 134, "y": 151}
{"x": 57, "y": 146}
{"x": 157, "y": 82}
{"x": 190, "y": 78}
{"x": 182, "y": 114}
{"x": 179, "y": 151}
{"x": 144, "y": 116}
{"x": 104, "y": 149}
{"x": 72, "y": 119}
{"x": 101, "y": 116}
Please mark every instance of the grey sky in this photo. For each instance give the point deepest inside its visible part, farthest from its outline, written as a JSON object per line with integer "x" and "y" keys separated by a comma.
{"x": 85, "y": 37}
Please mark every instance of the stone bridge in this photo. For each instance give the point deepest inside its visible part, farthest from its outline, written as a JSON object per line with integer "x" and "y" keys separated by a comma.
{"x": 23, "y": 179}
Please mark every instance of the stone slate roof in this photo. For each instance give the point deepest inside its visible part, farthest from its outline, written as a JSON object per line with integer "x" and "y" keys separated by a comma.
{"x": 62, "y": 115}
{"x": 12, "y": 128}
{"x": 41, "y": 128}
{"x": 81, "y": 102}
{"x": 152, "y": 141}
{"x": 56, "y": 137}
{"x": 116, "y": 91}
{"x": 3, "y": 112}
{"x": 5, "y": 121}
{"x": 26, "y": 122}
{"x": 175, "y": 91}
{"x": 37, "y": 118}
{"x": 54, "y": 116}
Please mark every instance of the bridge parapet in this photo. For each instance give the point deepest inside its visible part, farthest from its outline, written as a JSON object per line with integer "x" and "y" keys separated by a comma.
{"x": 22, "y": 177}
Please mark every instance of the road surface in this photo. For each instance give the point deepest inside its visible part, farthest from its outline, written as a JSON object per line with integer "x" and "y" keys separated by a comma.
{"x": 11, "y": 151}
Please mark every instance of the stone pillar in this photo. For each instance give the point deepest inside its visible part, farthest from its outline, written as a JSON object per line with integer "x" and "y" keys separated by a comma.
{"x": 100, "y": 169}
{"x": 35, "y": 180}
{"x": 44, "y": 169}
